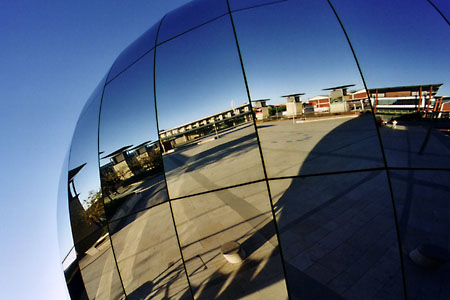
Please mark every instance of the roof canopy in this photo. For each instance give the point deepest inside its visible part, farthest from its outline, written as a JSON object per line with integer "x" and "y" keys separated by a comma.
{"x": 404, "y": 88}
{"x": 260, "y": 100}
{"x": 338, "y": 87}
{"x": 292, "y": 95}
{"x": 140, "y": 145}
{"x": 118, "y": 151}
{"x": 75, "y": 171}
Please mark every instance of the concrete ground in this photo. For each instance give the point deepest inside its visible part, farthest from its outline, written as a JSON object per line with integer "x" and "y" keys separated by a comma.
{"x": 338, "y": 236}
{"x": 139, "y": 196}
{"x": 241, "y": 214}
{"x": 337, "y": 232}
{"x": 100, "y": 275}
{"x": 231, "y": 159}
{"x": 403, "y": 145}
{"x": 320, "y": 145}
{"x": 423, "y": 209}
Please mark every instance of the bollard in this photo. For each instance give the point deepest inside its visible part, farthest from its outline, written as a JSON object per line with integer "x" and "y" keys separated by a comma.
{"x": 233, "y": 252}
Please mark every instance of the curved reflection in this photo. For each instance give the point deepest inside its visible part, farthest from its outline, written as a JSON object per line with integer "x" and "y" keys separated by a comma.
{"x": 207, "y": 133}
{"x": 236, "y": 152}
{"x": 87, "y": 214}
{"x": 294, "y": 85}
{"x": 189, "y": 16}
{"x": 408, "y": 82}
{"x": 337, "y": 231}
{"x": 72, "y": 274}
{"x": 131, "y": 168}
{"x": 134, "y": 52}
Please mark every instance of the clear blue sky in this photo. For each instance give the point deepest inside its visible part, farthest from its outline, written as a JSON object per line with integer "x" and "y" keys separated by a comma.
{"x": 53, "y": 54}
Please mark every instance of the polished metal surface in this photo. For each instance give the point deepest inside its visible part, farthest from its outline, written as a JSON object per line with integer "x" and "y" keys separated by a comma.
{"x": 313, "y": 141}
{"x": 131, "y": 167}
{"x": 206, "y": 125}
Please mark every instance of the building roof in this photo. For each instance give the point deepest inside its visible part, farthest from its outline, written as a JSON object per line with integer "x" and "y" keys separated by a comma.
{"x": 118, "y": 151}
{"x": 140, "y": 145}
{"x": 75, "y": 171}
{"x": 292, "y": 95}
{"x": 444, "y": 98}
{"x": 318, "y": 97}
{"x": 338, "y": 87}
{"x": 260, "y": 100}
{"x": 161, "y": 131}
{"x": 404, "y": 88}
{"x": 358, "y": 91}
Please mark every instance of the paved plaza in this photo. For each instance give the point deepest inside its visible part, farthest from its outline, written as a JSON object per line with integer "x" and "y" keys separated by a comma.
{"x": 210, "y": 163}
{"x": 337, "y": 232}
{"x": 320, "y": 145}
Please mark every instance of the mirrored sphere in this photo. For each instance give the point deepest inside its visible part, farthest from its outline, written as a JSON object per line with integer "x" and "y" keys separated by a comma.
{"x": 256, "y": 149}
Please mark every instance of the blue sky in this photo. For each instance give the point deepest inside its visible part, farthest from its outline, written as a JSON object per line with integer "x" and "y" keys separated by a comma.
{"x": 54, "y": 53}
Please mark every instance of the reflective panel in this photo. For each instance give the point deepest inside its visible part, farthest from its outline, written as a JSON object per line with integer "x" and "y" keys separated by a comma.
{"x": 189, "y": 16}
{"x": 304, "y": 113}
{"x": 405, "y": 58}
{"x": 205, "y": 121}
{"x": 443, "y": 7}
{"x": 338, "y": 236}
{"x": 87, "y": 214}
{"x": 94, "y": 96}
{"x": 308, "y": 97}
{"x": 62, "y": 209}
{"x": 423, "y": 209}
{"x": 229, "y": 244}
{"x": 242, "y": 4}
{"x": 98, "y": 268}
{"x": 148, "y": 256}
{"x": 134, "y": 51}
{"x": 69, "y": 260}
{"x": 74, "y": 280}
{"x": 130, "y": 157}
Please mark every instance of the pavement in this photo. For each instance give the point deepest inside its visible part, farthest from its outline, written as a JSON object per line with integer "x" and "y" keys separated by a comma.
{"x": 337, "y": 232}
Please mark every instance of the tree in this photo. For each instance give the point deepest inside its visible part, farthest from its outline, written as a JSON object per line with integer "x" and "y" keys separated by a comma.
{"x": 95, "y": 212}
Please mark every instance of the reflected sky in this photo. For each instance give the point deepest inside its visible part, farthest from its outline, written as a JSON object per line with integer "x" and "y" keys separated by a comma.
{"x": 128, "y": 110}
{"x": 243, "y": 4}
{"x": 62, "y": 209}
{"x": 84, "y": 151}
{"x": 134, "y": 51}
{"x": 202, "y": 80}
{"x": 443, "y": 6}
{"x": 294, "y": 47}
{"x": 189, "y": 16}
{"x": 398, "y": 43}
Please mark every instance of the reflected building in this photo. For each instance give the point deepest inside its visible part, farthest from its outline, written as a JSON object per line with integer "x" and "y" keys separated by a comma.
{"x": 182, "y": 182}
{"x": 209, "y": 125}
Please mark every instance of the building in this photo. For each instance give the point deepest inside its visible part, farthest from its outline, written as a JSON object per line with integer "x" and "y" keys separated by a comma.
{"x": 294, "y": 105}
{"x": 210, "y": 125}
{"x": 321, "y": 104}
{"x": 339, "y": 98}
{"x": 400, "y": 100}
{"x": 261, "y": 109}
